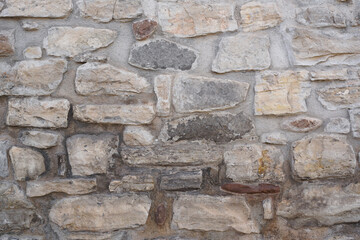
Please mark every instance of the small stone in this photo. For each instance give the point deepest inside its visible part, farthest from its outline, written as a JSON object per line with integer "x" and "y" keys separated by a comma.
{"x": 7, "y": 43}
{"x": 5, "y": 143}
{"x": 68, "y": 186}
{"x": 162, "y": 54}
{"x": 268, "y": 207}
{"x": 341, "y": 96}
{"x": 99, "y": 10}
{"x": 91, "y": 154}
{"x": 248, "y": 189}
{"x": 162, "y": 89}
{"x": 211, "y": 213}
{"x": 144, "y": 29}
{"x": 27, "y": 163}
{"x": 133, "y": 183}
{"x": 138, "y": 136}
{"x": 258, "y": 16}
{"x": 324, "y": 15}
{"x": 127, "y": 10}
{"x": 323, "y": 156}
{"x": 182, "y": 180}
{"x": 131, "y": 114}
{"x": 32, "y": 52}
{"x": 276, "y": 138}
{"x": 338, "y": 125}
{"x": 89, "y": 57}
{"x": 100, "y": 78}
{"x": 69, "y": 42}
{"x": 40, "y": 139}
{"x": 160, "y": 215}
{"x": 34, "y": 112}
{"x": 332, "y": 75}
{"x": 29, "y": 25}
{"x": 355, "y": 122}
{"x": 301, "y": 124}
{"x": 63, "y": 166}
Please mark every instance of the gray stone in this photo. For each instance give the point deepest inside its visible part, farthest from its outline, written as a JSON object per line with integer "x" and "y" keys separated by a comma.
{"x": 35, "y": 112}
{"x": 99, "y": 10}
{"x": 341, "y": 96}
{"x": 90, "y": 57}
{"x": 32, "y": 52}
{"x": 214, "y": 127}
{"x": 182, "y": 180}
{"x": 251, "y": 54}
{"x": 355, "y": 122}
{"x": 162, "y": 54}
{"x": 162, "y": 89}
{"x": 338, "y": 125}
{"x": 40, "y": 139}
{"x": 324, "y": 15}
{"x": 5, "y": 143}
{"x": 335, "y": 74}
{"x": 127, "y": 10}
{"x": 276, "y": 138}
{"x": 7, "y": 43}
{"x": 133, "y": 183}
{"x": 301, "y": 124}
{"x": 268, "y": 207}
{"x": 91, "y": 154}
{"x": 138, "y": 136}
{"x": 29, "y": 25}
{"x": 201, "y": 94}
{"x": 22, "y": 237}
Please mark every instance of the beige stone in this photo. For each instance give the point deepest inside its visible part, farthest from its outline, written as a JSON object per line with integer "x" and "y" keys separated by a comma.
{"x": 40, "y": 139}
{"x": 324, "y": 15}
{"x": 99, "y": 10}
{"x": 340, "y": 96}
{"x": 162, "y": 89}
{"x": 32, "y": 52}
{"x": 268, "y": 206}
{"x": 279, "y": 93}
{"x": 276, "y": 138}
{"x": 138, "y": 136}
{"x": 332, "y": 75}
{"x": 127, "y": 10}
{"x": 133, "y": 183}
{"x": 7, "y": 43}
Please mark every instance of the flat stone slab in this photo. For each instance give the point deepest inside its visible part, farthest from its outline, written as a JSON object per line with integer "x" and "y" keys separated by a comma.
{"x": 341, "y": 96}
{"x": 138, "y": 136}
{"x": 324, "y": 15}
{"x": 250, "y": 189}
{"x": 339, "y": 125}
{"x": 162, "y": 88}
{"x": 133, "y": 183}
{"x": 181, "y": 180}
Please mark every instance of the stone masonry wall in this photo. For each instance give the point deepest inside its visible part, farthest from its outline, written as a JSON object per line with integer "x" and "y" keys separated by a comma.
{"x": 179, "y": 119}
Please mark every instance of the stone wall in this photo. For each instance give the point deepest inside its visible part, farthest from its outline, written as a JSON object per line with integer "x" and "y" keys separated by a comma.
{"x": 179, "y": 119}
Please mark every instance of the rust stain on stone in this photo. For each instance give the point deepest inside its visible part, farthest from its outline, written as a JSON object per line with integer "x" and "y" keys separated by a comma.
{"x": 303, "y": 123}
{"x": 264, "y": 161}
{"x": 160, "y": 215}
{"x": 5, "y": 47}
{"x": 250, "y": 189}
{"x": 144, "y": 29}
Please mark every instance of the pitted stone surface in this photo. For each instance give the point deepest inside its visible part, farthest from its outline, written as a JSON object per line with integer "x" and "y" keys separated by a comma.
{"x": 40, "y": 139}
{"x": 144, "y": 29}
{"x": 321, "y": 16}
{"x": 341, "y": 96}
{"x": 338, "y": 125}
{"x": 7, "y": 43}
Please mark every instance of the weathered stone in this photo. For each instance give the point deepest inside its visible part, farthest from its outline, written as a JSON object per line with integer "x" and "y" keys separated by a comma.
{"x": 32, "y": 77}
{"x": 355, "y": 122}
{"x": 258, "y": 16}
{"x": 321, "y": 16}
{"x": 162, "y": 54}
{"x": 323, "y": 156}
{"x": 99, "y": 78}
{"x": 22, "y": 237}
{"x": 182, "y": 180}
{"x": 160, "y": 215}
{"x": 338, "y": 125}
{"x": 251, "y": 54}
{"x": 40, "y": 139}
{"x": 209, "y": 213}
{"x": 333, "y": 75}
{"x": 5, "y": 143}
{"x": 339, "y": 97}
{"x": 279, "y": 93}
{"x": 254, "y": 162}
{"x": 214, "y": 127}
{"x": 12, "y": 197}
{"x": 201, "y": 94}
{"x": 276, "y": 138}
{"x": 29, "y": 25}
{"x": 195, "y": 18}
{"x": 162, "y": 89}
{"x": 91, "y": 154}
{"x": 100, "y": 10}
{"x": 173, "y": 155}
{"x": 268, "y": 207}
{"x": 37, "y": 8}
{"x": 144, "y": 29}
{"x": 127, "y": 10}
{"x": 32, "y": 53}
{"x": 69, "y": 42}
{"x": 138, "y": 136}
{"x": 237, "y": 188}
{"x": 27, "y": 163}
{"x": 89, "y": 57}
{"x": 301, "y": 124}
{"x": 68, "y": 186}
{"x": 101, "y": 213}
{"x": 34, "y": 112}
{"x": 131, "y": 114}
{"x": 133, "y": 183}
{"x": 7, "y": 43}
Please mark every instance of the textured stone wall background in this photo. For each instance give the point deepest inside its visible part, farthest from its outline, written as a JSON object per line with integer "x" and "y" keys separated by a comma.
{"x": 170, "y": 119}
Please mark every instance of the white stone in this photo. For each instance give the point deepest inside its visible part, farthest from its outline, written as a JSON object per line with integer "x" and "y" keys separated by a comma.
{"x": 33, "y": 52}
{"x": 162, "y": 89}
{"x": 138, "y": 136}
{"x": 29, "y": 25}
{"x": 40, "y": 139}
{"x": 276, "y": 138}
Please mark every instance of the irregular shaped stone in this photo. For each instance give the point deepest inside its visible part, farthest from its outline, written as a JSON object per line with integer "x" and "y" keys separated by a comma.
{"x": 210, "y": 213}
{"x": 131, "y": 114}
{"x": 173, "y": 155}
{"x": 133, "y": 183}
{"x": 138, "y": 136}
{"x": 100, "y": 10}
{"x": 160, "y": 215}
{"x": 68, "y": 186}
{"x": 195, "y": 18}
{"x": 32, "y": 53}
{"x": 127, "y": 10}
{"x": 162, "y": 54}
{"x": 251, "y": 54}
{"x": 254, "y": 162}
{"x": 323, "y": 156}
{"x": 91, "y": 154}
{"x": 100, "y": 78}
{"x": 268, "y": 207}
{"x": 258, "y": 16}
{"x": 89, "y": 57}
{"x": 144, "y": 29}
{"x": 101, "y": 213}
{"x": 246, "y": 189}
{"x": 182, "y": 180}
{"x": 5, "y": 143}
{"x": 338, "y": 125}
{"x": 69, "y": 42}
{"x": 37, "y": 8}
{"x": 162, "y": 89}
{"x": 7, "y": 43}
{"x": 276, "y": 138}
{"x": 201, "y": 94}
{"x": 27, "y": 163}
{"x": 324, "y": 15}
{"x": 341, "y": 96}
{"x": 301, "y": 124}
{"x": 355, "y": 122}
{"x": 29, "y": 25}
{"x": 214, "y": 127}
{"x": 40, "y": 139}
{"x": 333, "y": 75}
{"x": 35, "y": 112}
{"x": 279, "y": 93}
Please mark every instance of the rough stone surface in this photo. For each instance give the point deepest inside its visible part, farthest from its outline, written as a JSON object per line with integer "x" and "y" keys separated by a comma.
{"x": 90, "y": 57}
{"x": 69, "y": 42}
{"x": 355, "y": 122}
{"x": 5, "y": 143}
{"x": 162, "y": 54}
{"x": 162, "y": 89}
{"x": 133, "y": 183}
{"x": 339, "y": 97}
{"x": 91, "y": 154}
{"x": 195, "y": 18}
{"x": 34, "y": 112}
{"x": 22, "y": 237}
{"x": 338, "y": 125}
{"x": 213, "y": 127}
{"x": 182, "y": 180}
{"x": 40, "y": 139}
{"x": 101, "y": 213}
{"x": 237, "y": 188}
{"x": 68, "y": 186}
{"x": 323, "y": 156}
{"x": 144, "y": 29}
{"x": 100, "y": 10}
{"x": 268, "y": 207}
{"x": 258, "y": 16}
{"x": 127, "y": 10}
{"x": 279, "y": 93}
{"x": 201, "y": 94}
{"x": 251, "y": 54}
{"x": 99, "y": 78}
{"x": 276, "y": 138}
{"x": 27, "y": 163}
{"x": 301, "y": 124}
{"x": 32, "y": 52}
{"x": 209, "y": 213}
{"x": 138, "y": 136}
{"x": 333, "y": 75}
{"x": 29, "y": 25}
{"x": 7, "y": 43}
{"x": 321, "y": 16}
{"x": 254, "y": 163}
{"x": 131, "y": 114}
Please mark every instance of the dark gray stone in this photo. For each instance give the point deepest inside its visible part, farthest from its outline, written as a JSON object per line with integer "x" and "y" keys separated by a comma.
{"x": 184, "y": 180}
{"x": 162, "y": 54}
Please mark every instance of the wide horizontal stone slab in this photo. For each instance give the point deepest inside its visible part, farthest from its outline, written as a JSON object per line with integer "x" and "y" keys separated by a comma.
{"x": 334, "y": 74}
{"x": 40, "y": 139}
{"x": 133, "y": 183}
{"x": 324, "y": 15}
{"x": 236, "y": 188}
{"x": 340, "y": 96}
{"x": 181, "y": 180}
{"x": 7, "y": 43}
{"x": 101, "y": 213}
{"x": 36, "y": 112}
